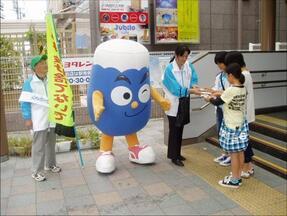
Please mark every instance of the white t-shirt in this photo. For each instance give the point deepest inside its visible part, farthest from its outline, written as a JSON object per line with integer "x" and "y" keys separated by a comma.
{"x": 234, "y": 99}
{"x": 250, "y": 115}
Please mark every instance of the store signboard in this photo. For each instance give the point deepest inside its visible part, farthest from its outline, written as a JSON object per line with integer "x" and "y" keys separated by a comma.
{"x": 128, "y": 19}
{"x": 78, "y": 70}
{"x": 177, "y": 21}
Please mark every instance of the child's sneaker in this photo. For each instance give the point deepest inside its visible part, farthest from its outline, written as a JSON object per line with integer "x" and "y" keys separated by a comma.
{"x": 239, "y": 180}
{"x": 245, "y": 174}
{"x": 227, "y": 182}
{"x": 220, "y": 158}
{"x": 251, "y": 171}
{"x": 54, "y": 169}
{"x": 38, "y": 177}
{"x": 226, "y": 162}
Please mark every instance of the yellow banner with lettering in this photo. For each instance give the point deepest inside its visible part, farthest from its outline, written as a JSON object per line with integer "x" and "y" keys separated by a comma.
{"x": 60, "y": 94}
{"x": 188, "y": 21}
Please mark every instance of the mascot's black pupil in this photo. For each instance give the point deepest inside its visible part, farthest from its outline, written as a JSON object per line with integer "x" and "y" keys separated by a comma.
{"x": 126, "y": 96}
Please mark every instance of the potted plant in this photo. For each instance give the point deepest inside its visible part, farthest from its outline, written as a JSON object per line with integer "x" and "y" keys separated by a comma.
{"x": 63, "y": 144}
{"x": 94, "y": 137}
{"x": 20, "y": 145}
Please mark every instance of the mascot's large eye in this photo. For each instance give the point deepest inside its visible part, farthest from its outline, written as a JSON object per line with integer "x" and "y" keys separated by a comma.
{"x": 121, "y": 95}
{"x": 144, "y": 93}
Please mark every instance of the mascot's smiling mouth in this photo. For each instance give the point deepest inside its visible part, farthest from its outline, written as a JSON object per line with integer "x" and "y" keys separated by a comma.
{"x": 136, "y": 113}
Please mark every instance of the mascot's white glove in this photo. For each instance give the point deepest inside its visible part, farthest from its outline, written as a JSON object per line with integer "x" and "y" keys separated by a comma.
{"x": 164, "y": 103}
{"x": 98, "y": 104}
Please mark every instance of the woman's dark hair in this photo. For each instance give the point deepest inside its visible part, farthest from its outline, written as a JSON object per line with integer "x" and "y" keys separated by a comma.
{"x": 235, "y": 70}
{"x": 179, "y": 51}
{"x": 220, "y": 57}
{"x": 234, "y": 57}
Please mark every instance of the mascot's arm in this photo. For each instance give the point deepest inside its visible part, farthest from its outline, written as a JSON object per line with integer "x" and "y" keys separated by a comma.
{"x": 164, "y": 103}
{"x": 98, "y": 104}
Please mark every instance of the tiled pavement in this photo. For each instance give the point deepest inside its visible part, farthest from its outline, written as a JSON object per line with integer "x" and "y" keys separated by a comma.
{"x": 159, "y": 189}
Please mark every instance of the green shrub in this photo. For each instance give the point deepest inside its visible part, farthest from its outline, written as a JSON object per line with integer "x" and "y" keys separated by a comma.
{"x": 20, "y": 146}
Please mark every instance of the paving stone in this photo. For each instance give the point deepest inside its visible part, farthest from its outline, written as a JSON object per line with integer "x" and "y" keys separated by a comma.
{"x": 101, "y": 187}
{"x": 17, "y": 201}
{"x": 139, "y": 207}
{"x": 4, "y": 203}
{"x": 182, "y": 183}
{"x": 239, "y": 211}
{"x": 5, "y": 190}
{"x": 49, "y": 195}
{"x": 171, "y": 177}
{"x": 144, "y": 176}
{"x": 24, "y": 210}
{"x": 133, "y": 193}
{"x": 158, "y": 189}
{"x": 48, "y": 185}
{"x": 55, "y": 207}
{"x": 206, "y": 206}
{"x": 224, "y": 201}
{"x": 23, "y": 189}
{"x": 23, "y": 180}
{"x": 72, "y": 173}
{"x": 168, "y": 200}
{"x": 161, "y": 166}
{"x": 71, "y": 182}
{"x": 115, "y": 209}
{"x": 192, "y": 194}
{"x": 107, "y": 198}
{"x": 88, "y": 210}
{"x": 125, "y": 183}
{"x": 225, "y": 212}
{"x": 76, "y": 191}
{"x": 22, "y": 172}
{"x": 120, "y": 174}
{"x": 79, "y": 202}
{"x": 180, "y": 210}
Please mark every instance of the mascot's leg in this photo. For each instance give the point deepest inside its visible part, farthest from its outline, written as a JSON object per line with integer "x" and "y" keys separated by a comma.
{"x": 139, "y": 154}
{"x": 106, "y": 161}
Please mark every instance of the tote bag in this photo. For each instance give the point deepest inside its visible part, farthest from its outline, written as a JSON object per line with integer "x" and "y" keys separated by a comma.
{"x": 183, "y": 114}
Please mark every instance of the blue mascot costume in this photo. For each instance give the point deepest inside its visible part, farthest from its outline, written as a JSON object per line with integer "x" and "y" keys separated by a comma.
{"x": 119, "y": 99}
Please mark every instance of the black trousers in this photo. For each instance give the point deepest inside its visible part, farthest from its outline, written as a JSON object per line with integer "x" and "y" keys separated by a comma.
{"x": 174, "y": 139}
{"x": 248, "y": 153}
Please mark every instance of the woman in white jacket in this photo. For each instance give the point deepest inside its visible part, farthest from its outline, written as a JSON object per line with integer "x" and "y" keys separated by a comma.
{"x": 179, "y": 81}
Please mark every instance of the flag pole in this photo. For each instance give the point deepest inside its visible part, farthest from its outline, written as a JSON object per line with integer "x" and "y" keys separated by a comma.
{"x": 61, "y": 96}
{"x": 78, "y": 147}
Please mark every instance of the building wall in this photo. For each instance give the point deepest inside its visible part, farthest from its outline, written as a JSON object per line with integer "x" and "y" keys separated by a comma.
{"x": 218, "y": 25}
{"x": 281, "y": 20}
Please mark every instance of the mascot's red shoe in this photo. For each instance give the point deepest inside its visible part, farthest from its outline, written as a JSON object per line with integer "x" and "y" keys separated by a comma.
{"x": 141, "y": 154}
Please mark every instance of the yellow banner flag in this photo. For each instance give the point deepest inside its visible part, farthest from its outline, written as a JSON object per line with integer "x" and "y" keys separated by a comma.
{"x": 60, "y": 94}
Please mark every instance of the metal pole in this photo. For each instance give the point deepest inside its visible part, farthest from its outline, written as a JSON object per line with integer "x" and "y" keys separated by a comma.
{"x": 239, "y": 22}
{"x": 3, "y": 131}
{"x": 267, "y": 24}
{"x": 94, "y": 7}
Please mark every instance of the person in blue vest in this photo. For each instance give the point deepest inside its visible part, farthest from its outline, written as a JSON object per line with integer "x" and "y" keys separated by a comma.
{"x": 179, "y": 81}
{"x": 34, "y": 107}
{"x": 221, "y": 83}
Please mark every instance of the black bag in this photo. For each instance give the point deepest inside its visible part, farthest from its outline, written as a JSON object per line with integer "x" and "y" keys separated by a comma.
{"x": 63, "y": 130}
{"x": 66, "y": 131}
{"x": 183, "y": 115}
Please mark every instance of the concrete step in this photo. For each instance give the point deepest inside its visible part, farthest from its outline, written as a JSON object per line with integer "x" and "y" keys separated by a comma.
{"x": 269, "y": 145}
{"x": 269, "y": 129}
{"x": 266, "y": 161}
